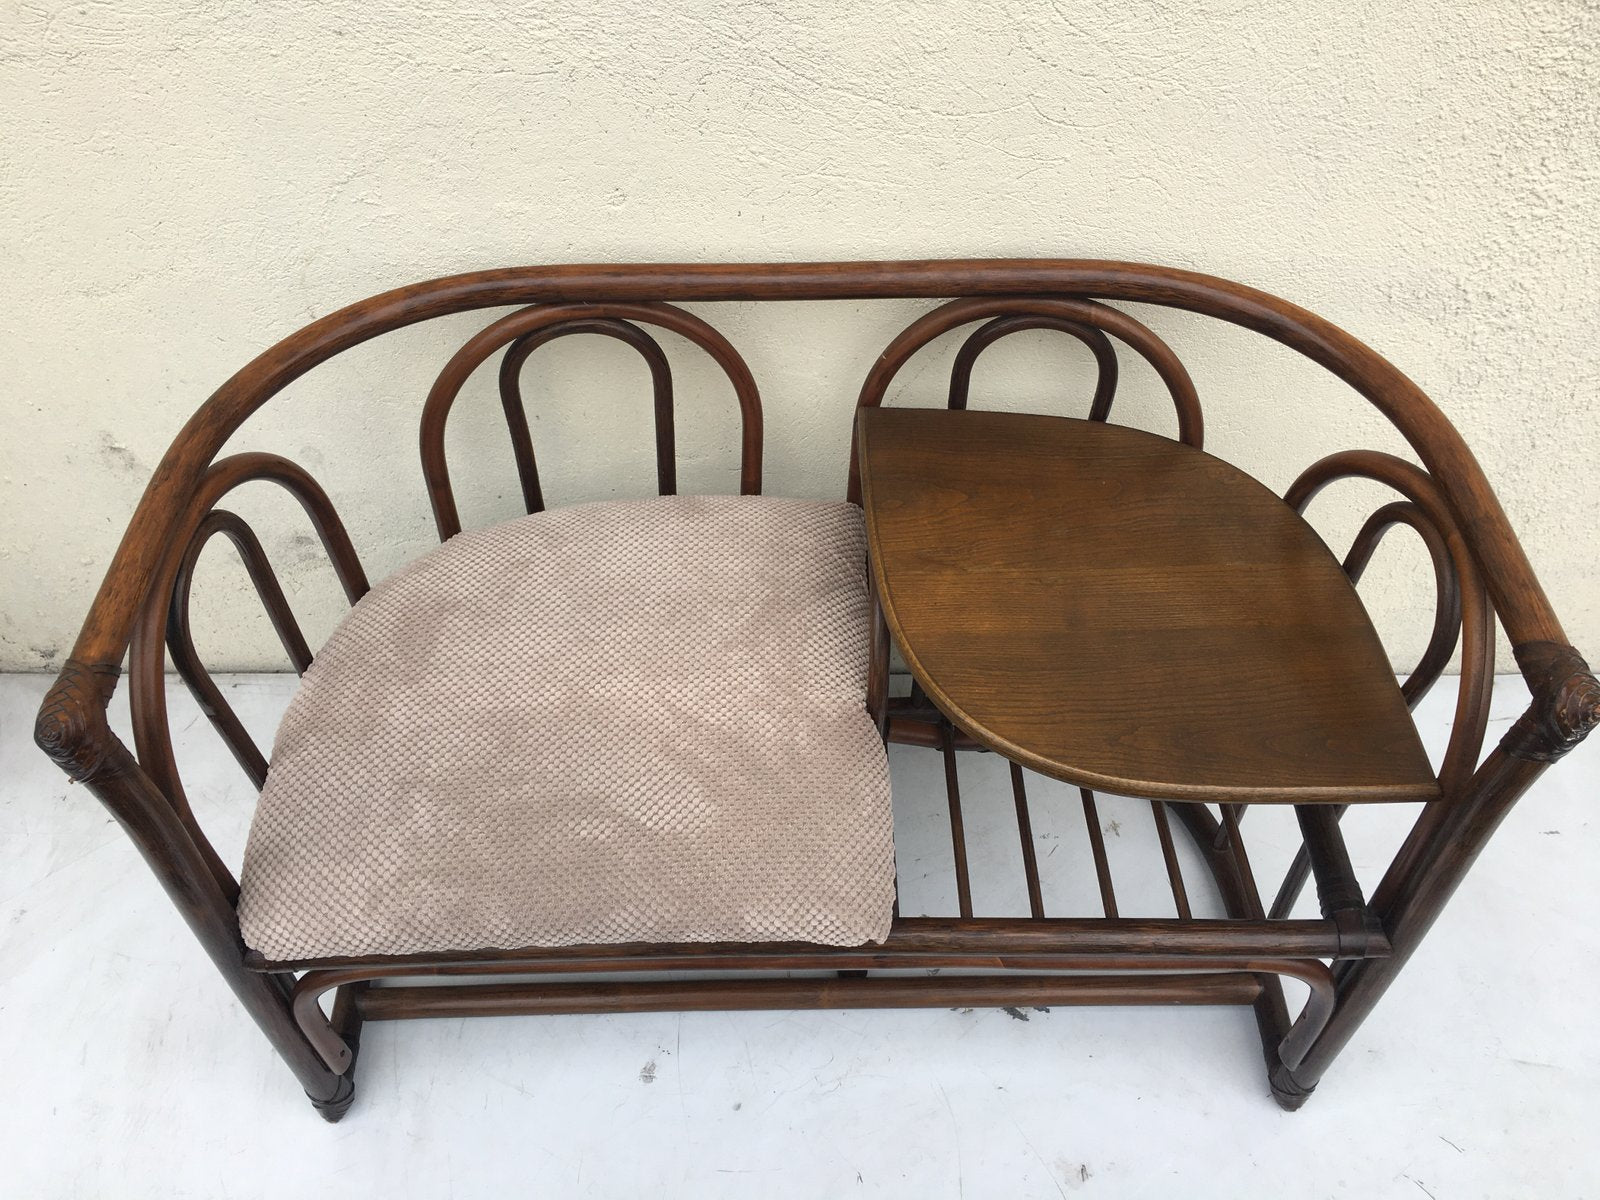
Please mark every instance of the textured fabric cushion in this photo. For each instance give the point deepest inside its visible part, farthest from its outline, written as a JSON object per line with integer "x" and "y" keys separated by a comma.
{"x": 615, "y": 722}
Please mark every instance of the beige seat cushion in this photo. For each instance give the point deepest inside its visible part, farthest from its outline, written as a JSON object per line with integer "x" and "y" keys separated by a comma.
{"x": 617, "y": 722}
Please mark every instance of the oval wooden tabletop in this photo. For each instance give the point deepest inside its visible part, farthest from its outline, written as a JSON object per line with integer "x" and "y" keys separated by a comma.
{"x": 1124, "y": 612}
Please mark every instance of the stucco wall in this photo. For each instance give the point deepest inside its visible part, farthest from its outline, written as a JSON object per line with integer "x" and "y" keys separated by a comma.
{"x": 181, "y": 186}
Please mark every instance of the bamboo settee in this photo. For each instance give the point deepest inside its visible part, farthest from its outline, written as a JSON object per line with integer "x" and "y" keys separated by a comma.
{"x": 714, "y": 830}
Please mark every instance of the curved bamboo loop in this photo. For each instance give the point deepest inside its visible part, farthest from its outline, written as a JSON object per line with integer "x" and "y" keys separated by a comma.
{"x": 442, "y": 396}
{"x": 1105, "y": 356}
{"x": 1191, "y": 425}
{"x": 180, "y": 638}
{"x": 1447, "y": 587}
{"x": 164, "y": 624}
{"x": 1477, "y": 613}
{"x": 629, "y": 334}
{"x": 1441, "y": 643}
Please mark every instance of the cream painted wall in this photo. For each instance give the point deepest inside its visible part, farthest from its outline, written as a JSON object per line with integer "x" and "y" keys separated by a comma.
{"x": 182, "y": 185}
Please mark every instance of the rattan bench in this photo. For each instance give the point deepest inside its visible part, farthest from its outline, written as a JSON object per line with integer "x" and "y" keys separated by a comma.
{"x": 648, "y": 737}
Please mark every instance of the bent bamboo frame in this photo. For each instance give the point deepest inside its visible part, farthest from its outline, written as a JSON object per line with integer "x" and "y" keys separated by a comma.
{"x": 1480, "y": 569}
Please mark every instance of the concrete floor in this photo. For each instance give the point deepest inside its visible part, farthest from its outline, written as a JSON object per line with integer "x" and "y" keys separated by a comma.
{"x": 129, "y": 1070}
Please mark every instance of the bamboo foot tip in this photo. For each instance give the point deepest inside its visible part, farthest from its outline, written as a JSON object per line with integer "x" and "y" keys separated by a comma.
{"x": 334, "y": 1107}
{"x": 1288, "y": 1092}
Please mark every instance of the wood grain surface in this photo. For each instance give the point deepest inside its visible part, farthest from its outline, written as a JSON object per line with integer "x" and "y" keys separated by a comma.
{"x": 1125, "y": 612}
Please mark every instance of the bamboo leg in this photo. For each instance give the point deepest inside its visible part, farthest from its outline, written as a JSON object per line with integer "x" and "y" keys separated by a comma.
{"x": 72, "y": 730}
{"x": 1424, "y": 875}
